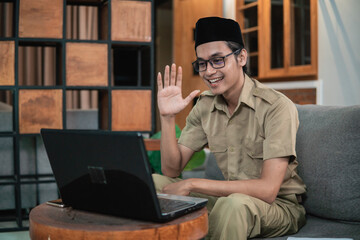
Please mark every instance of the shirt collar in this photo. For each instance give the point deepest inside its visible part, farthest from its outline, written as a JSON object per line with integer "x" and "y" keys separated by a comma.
{"x": 218, "y": 102}
{"x": 246, "y": 96}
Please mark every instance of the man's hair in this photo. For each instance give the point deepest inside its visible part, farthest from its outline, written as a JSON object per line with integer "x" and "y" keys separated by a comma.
{"x": 233, "y": 47}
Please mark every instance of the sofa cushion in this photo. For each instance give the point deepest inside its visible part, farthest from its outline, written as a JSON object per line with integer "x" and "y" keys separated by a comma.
{"x": 322, "y": 228}
{"x": 328, "y": 151}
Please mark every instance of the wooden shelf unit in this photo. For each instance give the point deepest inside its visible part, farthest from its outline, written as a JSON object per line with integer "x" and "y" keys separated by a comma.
{"x": 119, "y": 66}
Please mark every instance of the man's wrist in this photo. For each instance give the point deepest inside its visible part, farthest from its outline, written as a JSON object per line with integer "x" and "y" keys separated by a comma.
{"x": 191, "y": 184}
{"x": 167, "y": 117}
{"x": 167, "y": 120}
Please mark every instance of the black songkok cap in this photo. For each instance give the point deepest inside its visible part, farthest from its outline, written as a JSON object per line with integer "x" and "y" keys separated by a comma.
{"x": 212, "y": 29}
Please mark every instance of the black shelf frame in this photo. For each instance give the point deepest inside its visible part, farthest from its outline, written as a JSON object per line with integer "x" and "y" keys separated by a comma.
{"x": 17, "y": 179}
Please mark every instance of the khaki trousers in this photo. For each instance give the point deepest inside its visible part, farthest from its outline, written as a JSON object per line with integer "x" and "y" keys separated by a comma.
{"x": 240, "y": 217}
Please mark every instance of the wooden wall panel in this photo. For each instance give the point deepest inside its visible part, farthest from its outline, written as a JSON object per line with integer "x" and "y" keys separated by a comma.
{"x": 131, "y": 110}
{"x": 40, "y": 109}
{"x": 86, "y": 64}
{"x": 130, "y": 21}
{"x": 301, "y": 96}
{"x": 7, "y": 63}
{"x": 41, "y": 19}
{"x": 186, "y": 13}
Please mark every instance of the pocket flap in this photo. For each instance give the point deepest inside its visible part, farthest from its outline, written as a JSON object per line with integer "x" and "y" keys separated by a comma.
{"x": 254, "y": 149}
{"x": 217, "y": 147}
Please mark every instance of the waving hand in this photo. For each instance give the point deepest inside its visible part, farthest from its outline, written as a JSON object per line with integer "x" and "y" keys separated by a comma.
{"x": 170, "y": 100}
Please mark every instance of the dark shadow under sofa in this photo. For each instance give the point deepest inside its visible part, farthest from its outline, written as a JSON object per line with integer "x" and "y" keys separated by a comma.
{"x": 328, "y": 152}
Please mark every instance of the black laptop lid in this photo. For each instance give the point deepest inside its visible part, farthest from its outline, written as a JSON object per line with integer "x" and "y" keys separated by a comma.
{"x": 102, "y": 171}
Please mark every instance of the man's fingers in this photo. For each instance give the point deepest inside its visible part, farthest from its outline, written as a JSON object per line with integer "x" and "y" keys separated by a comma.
{"x": 173, "y": 74}
{"x": 166, "y": 76}
{"x": 179, "y": 77}
{"x": 170, "y": 77}
{"x": 159, "y": 81}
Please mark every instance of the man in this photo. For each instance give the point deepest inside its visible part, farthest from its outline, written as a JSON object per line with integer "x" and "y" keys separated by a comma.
{"x": 251, "y": 130}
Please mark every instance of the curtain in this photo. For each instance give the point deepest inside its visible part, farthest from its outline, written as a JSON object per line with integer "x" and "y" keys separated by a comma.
{"x": 6, "y": 19}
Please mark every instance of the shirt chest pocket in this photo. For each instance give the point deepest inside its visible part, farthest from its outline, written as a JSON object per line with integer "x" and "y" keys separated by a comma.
{"x": 254, "y": 149}
{"x": 217, "y": 144}
{"x": 220, "y": 152}
{"x": 252, "y": 158}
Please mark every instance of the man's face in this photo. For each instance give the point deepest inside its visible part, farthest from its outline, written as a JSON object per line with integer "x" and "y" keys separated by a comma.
{"x": 224, "y": 80}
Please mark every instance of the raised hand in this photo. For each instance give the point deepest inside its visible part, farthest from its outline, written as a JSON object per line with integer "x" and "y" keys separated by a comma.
{"x": 170, "y": 100}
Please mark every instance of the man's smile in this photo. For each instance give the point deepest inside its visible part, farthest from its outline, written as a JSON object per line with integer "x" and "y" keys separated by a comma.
{"x": 215, "y": 80}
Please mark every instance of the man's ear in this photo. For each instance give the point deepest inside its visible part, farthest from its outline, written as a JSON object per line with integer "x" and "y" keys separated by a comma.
{"x": 242, "y": 57}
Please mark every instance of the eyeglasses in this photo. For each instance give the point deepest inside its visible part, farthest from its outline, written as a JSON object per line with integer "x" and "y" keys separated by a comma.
{"x": 216, "y": 62}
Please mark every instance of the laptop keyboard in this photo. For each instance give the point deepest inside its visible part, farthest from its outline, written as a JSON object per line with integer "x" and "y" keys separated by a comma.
{"x": 170, "y": 205}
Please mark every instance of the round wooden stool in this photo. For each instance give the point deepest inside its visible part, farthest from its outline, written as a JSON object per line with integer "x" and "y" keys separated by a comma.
{"x": 48, "y": 222}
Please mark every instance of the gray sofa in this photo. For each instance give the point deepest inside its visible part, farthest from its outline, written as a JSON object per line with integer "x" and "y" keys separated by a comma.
{"x": 328, "y": 151}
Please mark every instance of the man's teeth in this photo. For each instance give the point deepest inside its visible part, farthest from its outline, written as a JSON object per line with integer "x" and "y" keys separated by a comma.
{"x": 214, "y": 80}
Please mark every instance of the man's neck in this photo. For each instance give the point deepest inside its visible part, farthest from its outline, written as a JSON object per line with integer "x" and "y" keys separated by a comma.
{"x": 232, "y": 97}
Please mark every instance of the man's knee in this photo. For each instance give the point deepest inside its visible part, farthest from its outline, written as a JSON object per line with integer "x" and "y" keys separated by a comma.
{"x": 235, "y": 203}
{"x": 236, "y": 217}
{"x": 160, "y": 181}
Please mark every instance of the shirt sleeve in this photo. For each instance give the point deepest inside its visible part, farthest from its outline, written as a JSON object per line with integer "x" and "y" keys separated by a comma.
{"x": 193, "y": 135}
{"x": 281, "y": 125}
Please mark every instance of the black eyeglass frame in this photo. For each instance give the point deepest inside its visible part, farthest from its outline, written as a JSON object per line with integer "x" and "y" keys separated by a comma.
{"x": 210, "y": 61}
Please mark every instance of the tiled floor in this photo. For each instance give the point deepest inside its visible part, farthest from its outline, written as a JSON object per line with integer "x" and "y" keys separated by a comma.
{"x": 16, "y": 235}
{"x": 23, "y": 235}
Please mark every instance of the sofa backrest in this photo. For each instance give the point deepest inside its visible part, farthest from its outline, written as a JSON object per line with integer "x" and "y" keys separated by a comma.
{"x": 328, "y": 152}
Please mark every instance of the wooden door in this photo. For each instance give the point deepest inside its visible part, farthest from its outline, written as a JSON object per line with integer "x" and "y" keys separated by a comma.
{"x": 186, "y": 13}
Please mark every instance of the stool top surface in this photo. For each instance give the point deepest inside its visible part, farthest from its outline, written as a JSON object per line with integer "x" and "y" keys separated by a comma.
{"x": 48, "y": 220}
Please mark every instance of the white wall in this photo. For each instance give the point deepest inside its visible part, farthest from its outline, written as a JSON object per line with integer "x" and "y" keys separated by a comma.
{"x": 229, "y": 9}
{"x": 339, "y": 51}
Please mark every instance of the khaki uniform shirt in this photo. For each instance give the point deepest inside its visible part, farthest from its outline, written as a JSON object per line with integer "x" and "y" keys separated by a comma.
{"x": 263, "y": 126}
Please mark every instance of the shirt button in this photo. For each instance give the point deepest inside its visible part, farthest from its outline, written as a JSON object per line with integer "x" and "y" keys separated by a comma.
{"x": 231, "y": 149}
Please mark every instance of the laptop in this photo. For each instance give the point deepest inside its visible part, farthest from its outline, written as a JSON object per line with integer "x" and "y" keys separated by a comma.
{"x": 109, "y": 172}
